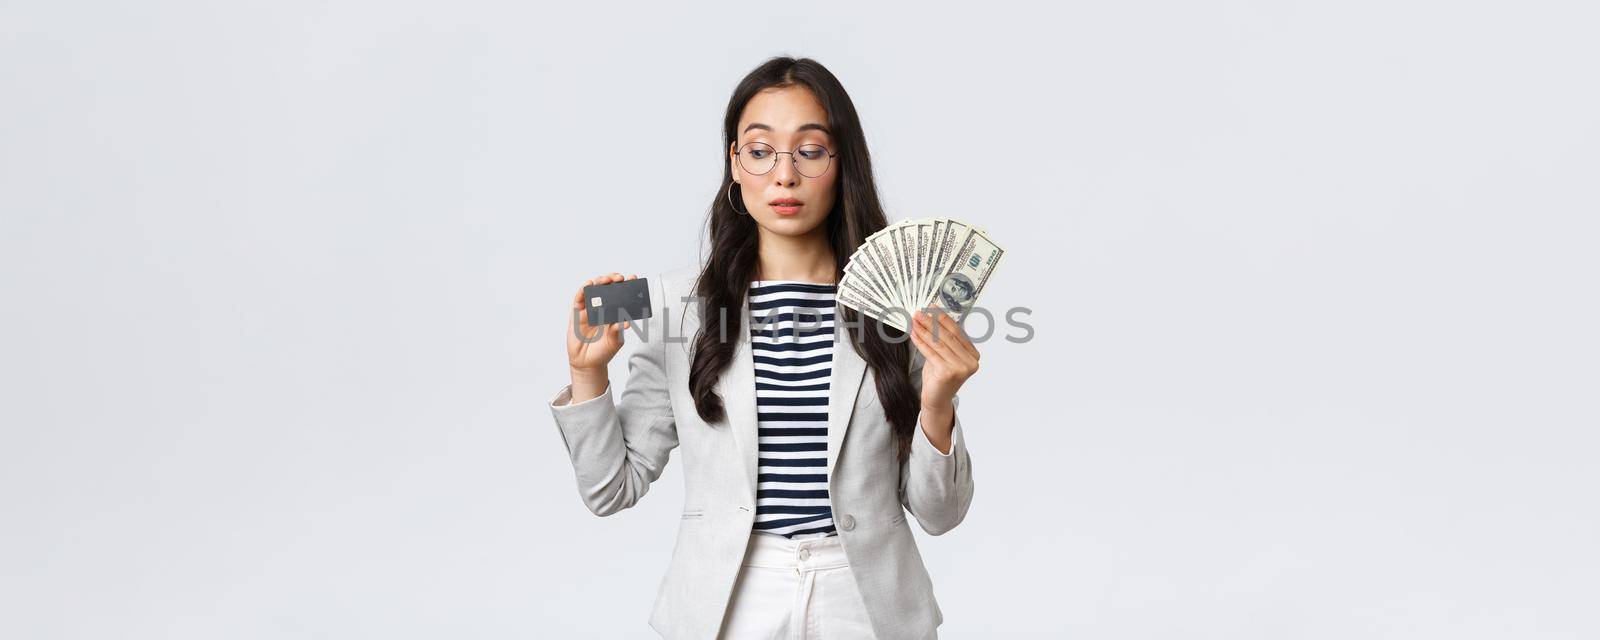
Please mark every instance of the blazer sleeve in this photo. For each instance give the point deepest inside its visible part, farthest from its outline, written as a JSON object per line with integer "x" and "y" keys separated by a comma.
{"x": 936, "y": 486}
{"x": 619, "y": 447}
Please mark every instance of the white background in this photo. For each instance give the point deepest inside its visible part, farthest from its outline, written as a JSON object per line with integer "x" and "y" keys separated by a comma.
{"x": 1313, "y": 284}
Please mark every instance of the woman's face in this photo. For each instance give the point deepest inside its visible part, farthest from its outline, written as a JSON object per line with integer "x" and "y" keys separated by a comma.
{"x": 785, "y": 118}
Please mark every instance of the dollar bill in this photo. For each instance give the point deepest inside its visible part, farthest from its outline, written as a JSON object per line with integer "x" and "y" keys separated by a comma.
{"x": 915, "y": 264}
{"x": 969, "y": 271}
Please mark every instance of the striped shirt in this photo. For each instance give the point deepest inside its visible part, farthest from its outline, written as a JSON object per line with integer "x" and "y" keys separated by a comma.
{"x": 791, "y": 339}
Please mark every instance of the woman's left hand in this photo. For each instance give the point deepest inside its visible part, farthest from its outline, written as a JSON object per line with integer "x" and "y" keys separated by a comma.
{"x": 949, "y": 358}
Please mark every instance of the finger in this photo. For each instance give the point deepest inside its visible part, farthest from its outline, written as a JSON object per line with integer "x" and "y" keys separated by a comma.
{"x": 921, "y": 319}
{"x": 589, "y": 328}
{"x": 929, "y": 353}
{"x": 936, "y": 332}
{"x": 952, "y": 337}
{"x": 934, "y": 360}
{"x": 948, "y": 334}
{"x": 583, "y": 331}
{"x": 577, "y": 298}
{"x": 958, "y": 337}
{"x": 938, "y": 343}
{"x": 577, "y": 316}
{"x": 947, "y": 323}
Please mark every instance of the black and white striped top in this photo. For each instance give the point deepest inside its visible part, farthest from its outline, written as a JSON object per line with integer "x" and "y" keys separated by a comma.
{"x": 791, "y": 336}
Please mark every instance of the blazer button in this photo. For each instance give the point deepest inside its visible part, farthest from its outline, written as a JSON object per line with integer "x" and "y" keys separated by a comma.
{"x": 848, "y": 522}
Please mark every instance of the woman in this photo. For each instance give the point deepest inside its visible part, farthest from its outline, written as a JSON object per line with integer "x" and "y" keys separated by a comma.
{"x": 807, "y": 430}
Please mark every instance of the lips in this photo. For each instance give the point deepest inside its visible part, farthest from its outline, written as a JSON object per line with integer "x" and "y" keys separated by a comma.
{"x": 786, "y": 206}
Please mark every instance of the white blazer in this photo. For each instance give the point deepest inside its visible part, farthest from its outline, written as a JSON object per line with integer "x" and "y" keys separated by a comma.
{"x": 619, "y": 447}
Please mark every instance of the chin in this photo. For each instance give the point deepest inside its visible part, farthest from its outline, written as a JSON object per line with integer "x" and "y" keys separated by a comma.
{"x": 790, "y": 225}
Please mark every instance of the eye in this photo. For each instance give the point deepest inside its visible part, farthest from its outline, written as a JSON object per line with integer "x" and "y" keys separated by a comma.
{"x": 812, "y": 152}
{"x": 757, "y": 153}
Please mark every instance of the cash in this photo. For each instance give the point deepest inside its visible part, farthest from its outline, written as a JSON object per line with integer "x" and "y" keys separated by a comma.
{"x": 916, "y": 264}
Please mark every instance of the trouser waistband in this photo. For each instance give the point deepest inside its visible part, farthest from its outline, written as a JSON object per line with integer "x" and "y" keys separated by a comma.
{"x": 767, "y": 550}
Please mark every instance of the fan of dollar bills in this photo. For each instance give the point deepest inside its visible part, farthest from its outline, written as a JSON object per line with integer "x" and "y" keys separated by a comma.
{"x": 915, "y": 264}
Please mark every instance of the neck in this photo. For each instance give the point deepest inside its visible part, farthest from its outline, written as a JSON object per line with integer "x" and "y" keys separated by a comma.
{"x": 806, "y": 258}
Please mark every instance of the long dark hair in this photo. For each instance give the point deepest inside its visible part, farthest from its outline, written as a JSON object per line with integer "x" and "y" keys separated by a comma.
{"x": 725, "y": 279}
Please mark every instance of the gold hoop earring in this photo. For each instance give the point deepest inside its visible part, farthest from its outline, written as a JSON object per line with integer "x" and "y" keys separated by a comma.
{"x": 731, "y": 185}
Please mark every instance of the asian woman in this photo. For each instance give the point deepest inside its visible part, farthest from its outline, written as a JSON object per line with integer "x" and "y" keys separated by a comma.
{"x": 806, "y": 431}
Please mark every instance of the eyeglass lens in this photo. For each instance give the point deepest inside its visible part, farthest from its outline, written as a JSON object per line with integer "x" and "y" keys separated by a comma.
{"x": 758, "y": 158}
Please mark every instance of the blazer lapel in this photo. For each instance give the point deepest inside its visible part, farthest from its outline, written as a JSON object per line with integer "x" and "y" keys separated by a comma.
{"x": 848, "y": 370}
{"x": 738, "y": 390}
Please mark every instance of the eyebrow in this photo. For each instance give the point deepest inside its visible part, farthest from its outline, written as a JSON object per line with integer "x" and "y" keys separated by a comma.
{"x": 809, "y": 126}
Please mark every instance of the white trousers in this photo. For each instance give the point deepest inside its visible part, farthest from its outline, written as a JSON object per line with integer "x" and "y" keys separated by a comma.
{"x": 795, "y": 590}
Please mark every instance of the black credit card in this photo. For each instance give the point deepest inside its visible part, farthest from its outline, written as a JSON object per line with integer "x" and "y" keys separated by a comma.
{"x": 617, "y": 301}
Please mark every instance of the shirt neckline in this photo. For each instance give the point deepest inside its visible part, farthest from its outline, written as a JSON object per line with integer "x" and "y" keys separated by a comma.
{"x": 814, "y": 284}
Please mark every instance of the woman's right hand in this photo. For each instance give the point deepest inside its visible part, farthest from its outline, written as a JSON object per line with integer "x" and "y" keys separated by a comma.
{"x": 589, "y": 356}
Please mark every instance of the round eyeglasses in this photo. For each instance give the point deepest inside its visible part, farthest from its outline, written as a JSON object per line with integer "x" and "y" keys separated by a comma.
{"x": 811, "y": 160}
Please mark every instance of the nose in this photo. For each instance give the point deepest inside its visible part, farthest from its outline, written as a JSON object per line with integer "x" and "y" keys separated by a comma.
{"x": 785, "y": 173}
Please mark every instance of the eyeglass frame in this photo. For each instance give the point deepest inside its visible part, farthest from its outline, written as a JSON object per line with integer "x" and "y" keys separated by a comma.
{"x": 792, "y": 159}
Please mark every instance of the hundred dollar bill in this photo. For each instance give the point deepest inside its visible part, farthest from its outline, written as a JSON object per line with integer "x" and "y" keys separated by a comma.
{"x": 867, "y": 278}
{"x": 935, "y": 227}
{"x": 885, "y": 245}
{"x": 969, "y": 271}
{"x": 915, "y": 264}
{"x": 953, "y": 235}
{"x": 907, "y": 245}
{"x": 920, "y": 233}
{"x": 854, "y": 297}
{"x": 935, "y": 237}
{"x": 931, "y": 261}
